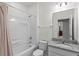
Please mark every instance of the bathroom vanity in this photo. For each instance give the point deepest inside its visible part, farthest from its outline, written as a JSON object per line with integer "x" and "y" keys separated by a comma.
{"x": 60, "y": 49}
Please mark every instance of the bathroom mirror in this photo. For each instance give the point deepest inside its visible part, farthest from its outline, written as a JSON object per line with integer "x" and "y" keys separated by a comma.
{"x": 64, "y": 25}
{"x": 65, "y": 29}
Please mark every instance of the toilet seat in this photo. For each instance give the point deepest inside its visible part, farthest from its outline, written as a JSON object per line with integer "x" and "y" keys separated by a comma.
{"x": 38, "y": 52}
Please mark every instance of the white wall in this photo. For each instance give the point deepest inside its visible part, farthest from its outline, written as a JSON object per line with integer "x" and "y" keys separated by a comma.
{"x": 63, "y": 15}
{"x": 18, "y": 6}
{"x": 71, "y": 6}
{"x": 45, "y": 22}
{"x": 78, "y": 24}
{"x": 46, "y": 11}
{"x": 42, "y": 14}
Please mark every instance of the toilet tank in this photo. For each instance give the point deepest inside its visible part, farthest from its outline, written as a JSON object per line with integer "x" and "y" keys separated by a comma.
{"x": 43, "y": 45}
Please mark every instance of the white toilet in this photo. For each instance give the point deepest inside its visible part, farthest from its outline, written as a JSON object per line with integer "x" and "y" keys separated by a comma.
{"x": 41, "y": 50}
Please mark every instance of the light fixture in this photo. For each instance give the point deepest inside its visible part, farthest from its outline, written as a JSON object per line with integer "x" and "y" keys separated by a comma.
{"x": 64, "y": 3}
{"x": 56, "y": 6}
{"x": 12, "y": 19}
{"x": 61, "y": 4}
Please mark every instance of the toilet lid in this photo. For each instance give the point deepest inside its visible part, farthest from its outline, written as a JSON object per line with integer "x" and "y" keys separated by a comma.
{"x": 38, "y": 52}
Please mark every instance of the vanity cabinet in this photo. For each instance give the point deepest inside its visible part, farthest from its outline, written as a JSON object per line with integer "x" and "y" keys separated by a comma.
{"x": 56, "y": 51}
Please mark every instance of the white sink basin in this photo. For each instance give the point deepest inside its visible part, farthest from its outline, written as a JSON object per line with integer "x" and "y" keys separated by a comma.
{"x": 68, "y": 46}
{"x": 63, "y": 45}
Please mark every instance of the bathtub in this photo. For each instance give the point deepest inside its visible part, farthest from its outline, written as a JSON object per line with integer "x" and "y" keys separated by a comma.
{"x": 27, "y": 52}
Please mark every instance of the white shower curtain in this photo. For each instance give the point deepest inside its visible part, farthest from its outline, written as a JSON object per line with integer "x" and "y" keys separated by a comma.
{"x": 5, "y": 44}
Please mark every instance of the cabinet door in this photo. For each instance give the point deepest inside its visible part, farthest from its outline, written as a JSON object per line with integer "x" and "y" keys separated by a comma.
{"x": 51, "y": 52}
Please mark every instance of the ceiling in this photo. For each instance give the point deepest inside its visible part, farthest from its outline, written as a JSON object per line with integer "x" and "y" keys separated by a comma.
{"x": 28, "y": 4}
{"x": 31, "y": 4}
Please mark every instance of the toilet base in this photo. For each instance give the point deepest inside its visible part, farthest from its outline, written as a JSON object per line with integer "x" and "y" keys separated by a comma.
{"x": 38, "y": 52}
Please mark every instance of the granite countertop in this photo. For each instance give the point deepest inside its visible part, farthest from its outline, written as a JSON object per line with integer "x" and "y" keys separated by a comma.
{"x": 65, "y": 46}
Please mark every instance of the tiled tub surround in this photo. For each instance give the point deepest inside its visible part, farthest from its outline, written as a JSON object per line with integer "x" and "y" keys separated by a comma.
{"x": 22, "y": 30}
{"x": 56, "y": 48}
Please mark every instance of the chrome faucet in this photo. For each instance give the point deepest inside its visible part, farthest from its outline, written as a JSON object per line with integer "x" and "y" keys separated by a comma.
{"x": 63, "y": 41}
